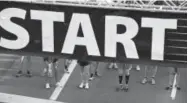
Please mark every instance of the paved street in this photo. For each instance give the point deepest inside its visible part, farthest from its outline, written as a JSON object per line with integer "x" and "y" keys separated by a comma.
{"x": 102, "y": 89}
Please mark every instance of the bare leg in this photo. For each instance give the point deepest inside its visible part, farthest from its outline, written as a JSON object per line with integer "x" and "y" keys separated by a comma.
{"x": 86, "y": 76}
{"x": 20, "y": 72}
{"x": 48, "y": 76}
{"x": 171, "y": 78}
{"x": 96, "y": 70}
{"x": 154, "y": 72}
{"x": 82, "y": 77}
{"x": 67, "y": 63}
{"x": 177, "y": 78}
{"x": 55, "y": 71}
{"x": 92, "y": 70}
{"x": 127, "y": 74}
{"x": 145, "y": 75}
{"x": 28, "y": 58}
{"x": 120, "y": 76}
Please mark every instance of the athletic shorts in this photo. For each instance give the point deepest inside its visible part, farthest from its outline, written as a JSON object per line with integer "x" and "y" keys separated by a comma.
{"x": 55, "y": 60}
{"x": 83, "y": 63}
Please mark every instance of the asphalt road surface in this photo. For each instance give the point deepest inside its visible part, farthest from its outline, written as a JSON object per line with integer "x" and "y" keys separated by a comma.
{"x": 102, "y": 90}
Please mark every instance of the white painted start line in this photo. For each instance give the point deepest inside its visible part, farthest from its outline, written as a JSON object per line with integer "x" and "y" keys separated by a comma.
{"x": 63, "y": 81}
{"x": 12, "y": 98}
{"x": 174, "y": 89}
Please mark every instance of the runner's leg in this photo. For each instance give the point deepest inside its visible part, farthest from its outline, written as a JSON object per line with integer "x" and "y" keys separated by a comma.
{"x": 92, "y": 70}
{"x": 177, "y": 78}
{"x": 96, "y": 70}
{"x": 55, "y": 71}
{"x": 127, "y": 69}
{"x": 87, "y": 75}
{"x": 28, "y": 63}
{"x": 154, "y": 72}
{"x": 145, "y": 75}
{"x": 82, "y": 77}
{"x": 120, "y": 76}
{"x": 20, "y": 72}
{"x": 171, "y": 78}
{"x": 49, "y": 74}
{"x": 67, "y": 62}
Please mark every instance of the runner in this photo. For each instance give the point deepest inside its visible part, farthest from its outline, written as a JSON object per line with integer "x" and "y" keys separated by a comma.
{"x": 172, "y": 72}
{"x": 51, "y": 67}
{"x": 85, "y": 66}
{"x": 67, "y": 63}
{"x": 45, "y": 69}
{"x": 55, "y": 67}
{"x": 94, "y": 70}
{"x": 124, "y": 72}
{"x": 24, "y": 59}
{"x": 149, "y": 74}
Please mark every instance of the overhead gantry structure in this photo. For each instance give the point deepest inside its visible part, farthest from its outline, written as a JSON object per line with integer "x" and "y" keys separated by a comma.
{"x": 151, "y": 5}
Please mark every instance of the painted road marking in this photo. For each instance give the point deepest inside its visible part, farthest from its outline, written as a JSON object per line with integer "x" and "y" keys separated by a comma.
{"x": 174, "y": 89}
{"x": 9, "y": 55}
{"x": 63, "y": 81}
{"x": 12, "y": 98}
{"x": 8, "y": 59}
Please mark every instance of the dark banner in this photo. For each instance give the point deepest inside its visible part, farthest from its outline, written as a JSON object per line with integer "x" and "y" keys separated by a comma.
{"x": 93, "y": 33}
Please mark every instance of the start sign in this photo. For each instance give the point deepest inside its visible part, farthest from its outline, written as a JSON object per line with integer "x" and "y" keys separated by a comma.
{"x": 105, "y": 34}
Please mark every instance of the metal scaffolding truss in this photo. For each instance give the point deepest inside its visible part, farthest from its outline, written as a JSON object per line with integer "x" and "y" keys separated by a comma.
{"x": 151, "y": 5}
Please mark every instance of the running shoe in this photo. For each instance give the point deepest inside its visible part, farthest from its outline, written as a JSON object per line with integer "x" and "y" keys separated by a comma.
{"x": 28, "y": 74}
{"x": 87, "y": 86}
{"x": 144, "y": 81}
{"x": 91, "y": 78}
{"x": 126, "y": 87}
{"x": 81, "y": 85}
{"x": 19, "y": 73}
{"x": 66, "y": 69}
{"x": 169, "y": 87}
{"x": 97, "y": 74}
{"x": 47, "y": 86}
{"x": 178, "y": 87}
{"x": 153, "y": 81}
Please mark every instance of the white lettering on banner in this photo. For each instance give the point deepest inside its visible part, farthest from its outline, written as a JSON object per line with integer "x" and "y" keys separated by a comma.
{"x": 21, "y": 33}
{"x": 111, "y": 36}
{"x": 47, "y": 18}
{"x": 158, "y": 34}
{"x": 89, "y": 40}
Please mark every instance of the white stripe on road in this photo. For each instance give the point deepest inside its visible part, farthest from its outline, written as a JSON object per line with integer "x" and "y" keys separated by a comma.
{"x": 7, "y": 69}
{"x": 63, "y": 81}
{"x": 9, "y": 55}
{"x": 174, "y": 88}
{"x": 11, "y": 98}
{"x": 8, "y": 59}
